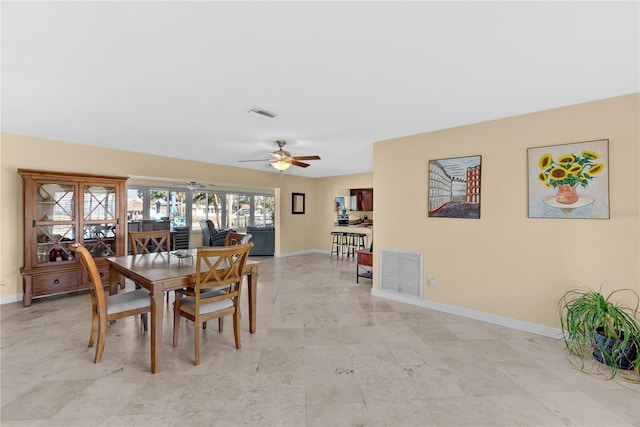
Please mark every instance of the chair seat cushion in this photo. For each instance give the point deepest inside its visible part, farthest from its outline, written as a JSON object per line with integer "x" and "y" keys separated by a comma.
{"x": 187, "y": 304}
{"x": 127, "y": 301}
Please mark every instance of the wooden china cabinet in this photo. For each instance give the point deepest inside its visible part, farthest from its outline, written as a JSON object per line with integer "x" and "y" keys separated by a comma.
{"x": 59, "y": 209}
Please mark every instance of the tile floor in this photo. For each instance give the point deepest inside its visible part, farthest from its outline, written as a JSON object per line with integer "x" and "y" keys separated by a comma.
{"x": 325, "y": 353}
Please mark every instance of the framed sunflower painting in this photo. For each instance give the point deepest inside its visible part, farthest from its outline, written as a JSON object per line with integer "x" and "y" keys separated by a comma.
{"x": 569, "y": 181}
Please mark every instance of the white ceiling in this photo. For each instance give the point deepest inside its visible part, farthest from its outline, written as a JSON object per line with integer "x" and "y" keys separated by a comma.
{"x": 177, "y": 78}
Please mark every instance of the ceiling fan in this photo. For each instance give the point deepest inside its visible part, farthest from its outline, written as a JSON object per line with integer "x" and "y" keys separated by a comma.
{"x": 192, "y": 185}
{"x": 282, "y": 160}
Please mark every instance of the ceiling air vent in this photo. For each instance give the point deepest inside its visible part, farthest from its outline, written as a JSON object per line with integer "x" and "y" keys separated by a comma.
{"x": 262, "y": 112}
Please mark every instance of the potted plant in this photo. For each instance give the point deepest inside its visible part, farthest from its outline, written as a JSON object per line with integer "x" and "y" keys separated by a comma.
{"x": 606, "y": 327}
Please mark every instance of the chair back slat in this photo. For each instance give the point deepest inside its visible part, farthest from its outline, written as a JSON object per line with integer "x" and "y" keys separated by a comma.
{"x": 219, "y": 266}
{"x": 144, "y": 242}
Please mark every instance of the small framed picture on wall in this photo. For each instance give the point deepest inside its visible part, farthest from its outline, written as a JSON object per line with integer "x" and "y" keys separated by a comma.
{"x": 297, "y": 203}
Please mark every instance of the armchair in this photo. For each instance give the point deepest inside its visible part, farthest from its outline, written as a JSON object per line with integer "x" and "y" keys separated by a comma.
{"x": 211, "y": 236}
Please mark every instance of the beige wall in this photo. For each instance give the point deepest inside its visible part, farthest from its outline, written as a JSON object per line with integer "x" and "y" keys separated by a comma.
{"x": 505, "y": 263}
{"x": 36, "y": 153}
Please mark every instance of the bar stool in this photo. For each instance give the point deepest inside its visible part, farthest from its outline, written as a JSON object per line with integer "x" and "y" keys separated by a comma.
{"x": 344, "y": 245}
{"x": 348, "y": 245}
{"x": 356, "y": 243}
{"x": 336, "y": 242}
{"x": 359, "y": 241}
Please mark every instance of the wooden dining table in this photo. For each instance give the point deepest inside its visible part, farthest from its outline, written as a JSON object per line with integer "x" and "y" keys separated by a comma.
{"x": 160, "y": 272}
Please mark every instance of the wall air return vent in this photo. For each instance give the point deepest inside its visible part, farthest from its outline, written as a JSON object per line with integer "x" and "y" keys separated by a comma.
{"x": 401, "y": 272}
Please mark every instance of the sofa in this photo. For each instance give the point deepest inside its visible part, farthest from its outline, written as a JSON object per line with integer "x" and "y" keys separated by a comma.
{"x": 263, "y": 239}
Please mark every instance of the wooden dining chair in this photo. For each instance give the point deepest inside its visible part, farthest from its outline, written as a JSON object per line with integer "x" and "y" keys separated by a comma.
{"x": 231, "y": 239}
{"x": 219, "y": 274}
{"x": 107, "y": 308}
{"x": 236, "y": 239}
{"x": 144, "y": 242}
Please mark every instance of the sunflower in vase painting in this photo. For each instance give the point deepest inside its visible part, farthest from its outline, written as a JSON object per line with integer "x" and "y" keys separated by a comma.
{"x": 567, "y": 172}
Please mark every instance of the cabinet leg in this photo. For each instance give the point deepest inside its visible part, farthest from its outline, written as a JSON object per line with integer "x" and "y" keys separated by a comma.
{"x": 27, "y": 288}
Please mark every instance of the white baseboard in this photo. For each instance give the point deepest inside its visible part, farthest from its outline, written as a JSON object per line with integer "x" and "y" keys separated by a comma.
{"x": 8, "y": 299}
{"x": 306, "y": 251}
{"x": 508, "y": 322}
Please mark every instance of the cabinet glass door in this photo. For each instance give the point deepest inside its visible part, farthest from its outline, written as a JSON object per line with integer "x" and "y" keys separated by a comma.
{"x": 55, "y": 221}
{"x": 99, "y": 219}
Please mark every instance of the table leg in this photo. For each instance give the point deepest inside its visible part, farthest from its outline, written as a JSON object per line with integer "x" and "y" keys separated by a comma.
{"x": 114, "y": 277}
{"x": 252, "y": 288}
{"x": 157, "y": 307}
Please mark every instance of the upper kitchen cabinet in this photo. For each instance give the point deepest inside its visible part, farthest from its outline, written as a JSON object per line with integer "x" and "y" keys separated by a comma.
{"x": 361, "y": 199}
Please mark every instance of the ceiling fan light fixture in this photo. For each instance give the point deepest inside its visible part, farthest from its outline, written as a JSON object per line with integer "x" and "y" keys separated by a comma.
{"x": 281, "y": 164}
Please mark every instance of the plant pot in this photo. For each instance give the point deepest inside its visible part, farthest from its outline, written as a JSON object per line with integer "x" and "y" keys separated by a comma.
{"x": 603, "y": 343}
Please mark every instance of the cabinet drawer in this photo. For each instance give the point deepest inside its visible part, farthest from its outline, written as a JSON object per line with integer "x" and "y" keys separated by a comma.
{"x": 103, "y": 271}
{"x": 56, "y": 282}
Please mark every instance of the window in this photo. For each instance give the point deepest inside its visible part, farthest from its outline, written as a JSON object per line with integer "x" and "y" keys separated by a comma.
{"x": 206, "y": 206}
{"x": 135, "y": 204}
{"x": 239, "y": 214}
{"x": 225, "y": 209}
{"x": 264, "y": 210}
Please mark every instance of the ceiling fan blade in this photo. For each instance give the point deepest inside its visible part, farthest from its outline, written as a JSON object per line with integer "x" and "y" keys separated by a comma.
{"x": 297, "y": 163}
{"x": 306, "y": 158}
{"x": 258, "y": 160}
